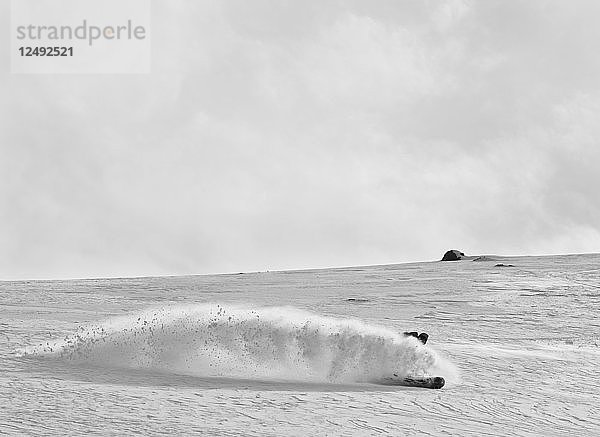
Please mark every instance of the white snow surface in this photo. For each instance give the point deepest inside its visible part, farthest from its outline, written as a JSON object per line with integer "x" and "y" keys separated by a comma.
{"x": 298, "y": 352}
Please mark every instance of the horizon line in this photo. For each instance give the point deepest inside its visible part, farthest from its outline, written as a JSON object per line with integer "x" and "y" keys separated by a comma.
{"x": 302, "y": 269}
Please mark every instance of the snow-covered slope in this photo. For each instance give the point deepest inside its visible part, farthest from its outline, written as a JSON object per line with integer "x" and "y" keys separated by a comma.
{"x": 293, "y": 353}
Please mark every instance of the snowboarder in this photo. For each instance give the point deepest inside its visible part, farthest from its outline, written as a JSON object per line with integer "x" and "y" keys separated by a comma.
{"x": 422, "y": 336}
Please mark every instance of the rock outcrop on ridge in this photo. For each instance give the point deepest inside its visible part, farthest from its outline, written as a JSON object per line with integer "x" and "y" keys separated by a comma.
{"x": 453, "y": 255}
{"x": 484, "y": 258}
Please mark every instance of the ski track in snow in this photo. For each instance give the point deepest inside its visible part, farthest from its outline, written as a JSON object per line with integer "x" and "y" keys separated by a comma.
{"x": 292, "y": 353}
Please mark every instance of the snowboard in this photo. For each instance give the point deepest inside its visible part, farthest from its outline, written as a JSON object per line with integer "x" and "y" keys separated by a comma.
{"x": 414, "y": 381}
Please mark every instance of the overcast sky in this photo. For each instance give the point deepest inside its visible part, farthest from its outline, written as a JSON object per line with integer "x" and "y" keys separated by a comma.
{"x": 292, "y": 134}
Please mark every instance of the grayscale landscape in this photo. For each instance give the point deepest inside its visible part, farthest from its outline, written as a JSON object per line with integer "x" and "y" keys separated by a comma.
{"x": 299, "y": 218}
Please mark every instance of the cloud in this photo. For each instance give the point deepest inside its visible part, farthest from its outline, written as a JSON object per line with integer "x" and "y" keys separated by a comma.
{"x": 277, "y": 135}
